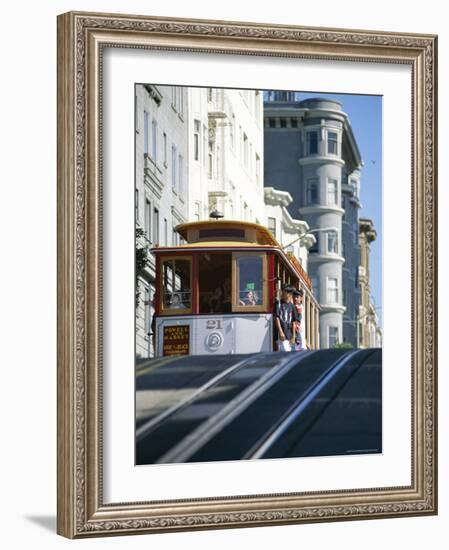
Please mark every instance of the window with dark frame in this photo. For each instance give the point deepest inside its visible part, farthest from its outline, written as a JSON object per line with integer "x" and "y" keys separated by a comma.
{"x": 156, "y": 226}
{"x": 196, "y": 140}
{"x": 315, "y": 248}
{"x": 332, "y": 192}
{"x": 245, "y": 150}
{"x": 332, "y": 242}
{"x": 210, "y": 170}
{"x": 154, "y": 140}
{"x": 205, "y": 134}
{"x": 312, "y": 143}
{"x": 146, "y": 132}
{"x": 332, "y": 143}
{"x": 312, "y": 192}
{"x": 148, "y": 219}
{"x": 332, "y": 290}
{"x": 173, "y": 167}
{"x": 197, "y": 212}
{"x": 176, "y": 284}
{"x": 250, "y": 280}
{"x": 181, "y": 102}
{"x": 333, "y": 336}
{"x": 215, "y": 283}
{"x": 181, "y": 181}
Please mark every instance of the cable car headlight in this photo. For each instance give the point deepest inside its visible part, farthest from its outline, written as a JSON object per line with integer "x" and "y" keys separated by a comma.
{"x": 214, "y": 341}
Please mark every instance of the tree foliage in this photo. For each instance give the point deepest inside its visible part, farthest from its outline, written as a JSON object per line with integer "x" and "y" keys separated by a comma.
{"x": 142, "y": 259}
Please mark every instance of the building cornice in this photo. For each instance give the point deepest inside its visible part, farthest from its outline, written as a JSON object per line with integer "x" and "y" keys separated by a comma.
{"x": 308, "y": 240}
{"x": 299, "y": 227}
{"x": 287, "y": 109}
{"x": 321, "y": 209}
{"x": 322, "y": 258}
{"x": 366, "y": 227}
{"x": 317, "y": 159}
{"x": 355, "y": 201}
{"x": 332, "y": 308}
{"x": 276, "y": 197}
{"x": 347, "y": 188}
{"x": 353, "y": 144}
{"x": 178, "y": 215}
{"x": 217, "y": 193}
{"x": 152, "y": 175}
{"x": 154, "y": 92}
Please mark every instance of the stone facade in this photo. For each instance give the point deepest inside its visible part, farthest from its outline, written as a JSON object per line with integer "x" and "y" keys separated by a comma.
{"x": 310, "y": 151}
{"x": 290, "y": 233}
{"x": 162, "y": 190}
{"x": 370, "y": 334}
{"x": 226, "y": 153}
{"x": 226, "y": 166}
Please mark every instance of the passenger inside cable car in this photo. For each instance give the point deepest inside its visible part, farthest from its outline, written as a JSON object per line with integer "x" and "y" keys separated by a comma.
{"x": 176, "y": 302}
{"x": 176, "y": 284}
{"x": 250, "y": 299}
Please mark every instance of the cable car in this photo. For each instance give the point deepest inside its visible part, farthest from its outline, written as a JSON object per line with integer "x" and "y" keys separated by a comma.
{"x": 215, "y": 293}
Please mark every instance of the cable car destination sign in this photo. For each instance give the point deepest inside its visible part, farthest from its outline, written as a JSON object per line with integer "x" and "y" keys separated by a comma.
{"x": 176, "y": 340}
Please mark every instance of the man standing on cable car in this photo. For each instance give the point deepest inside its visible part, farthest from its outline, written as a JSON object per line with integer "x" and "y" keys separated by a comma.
{"x": 285, "y": 317}
{"x": 298, "y": 344}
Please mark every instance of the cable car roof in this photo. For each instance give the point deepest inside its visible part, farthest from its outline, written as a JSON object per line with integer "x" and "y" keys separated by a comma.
{"x": 216, "y": 245}
{"x": 226, "y": 230}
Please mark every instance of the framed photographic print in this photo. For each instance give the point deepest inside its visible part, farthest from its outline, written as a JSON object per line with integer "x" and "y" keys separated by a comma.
{"x": 247, "y": 274}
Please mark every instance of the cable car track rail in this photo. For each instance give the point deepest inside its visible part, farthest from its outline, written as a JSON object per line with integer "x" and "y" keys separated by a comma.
{"x": 167, "y": 430}
{"x": 183, "y": 451}
{"x": 240, "y": 438}
{"x": 151, "y": 424}
{"x": 262, "y": 448}
{"x": 266, "y": 406}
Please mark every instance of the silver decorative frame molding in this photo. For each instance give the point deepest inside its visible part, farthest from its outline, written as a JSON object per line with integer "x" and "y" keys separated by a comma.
{"x": 81, "y": 39}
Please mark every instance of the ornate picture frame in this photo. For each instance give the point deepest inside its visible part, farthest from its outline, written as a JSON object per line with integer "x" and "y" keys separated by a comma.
{"x": 82, "y": 38}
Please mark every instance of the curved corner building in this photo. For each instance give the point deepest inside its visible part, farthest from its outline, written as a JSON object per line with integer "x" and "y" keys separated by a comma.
{"x": 310, "y": 151}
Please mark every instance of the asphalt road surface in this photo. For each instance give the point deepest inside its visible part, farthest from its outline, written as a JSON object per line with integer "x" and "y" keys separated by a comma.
{"x": 266, "y": 405}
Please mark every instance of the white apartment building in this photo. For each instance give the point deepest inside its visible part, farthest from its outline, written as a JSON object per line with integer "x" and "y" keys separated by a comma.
{"x": 162, "y": 190}
{"x": 226, "y": 153}
{"x": 291, "y": 233}
{"x": 226, "y": 166}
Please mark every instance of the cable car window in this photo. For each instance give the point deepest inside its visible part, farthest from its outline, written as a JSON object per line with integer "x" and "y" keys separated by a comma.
{"x": 176, "y": 284}
{"x": 249, "y": 277}
{"x": 214, "y": 282}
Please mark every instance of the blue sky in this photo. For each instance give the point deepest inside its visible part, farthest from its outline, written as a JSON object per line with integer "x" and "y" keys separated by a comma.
{"x": 365, "y": 114}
